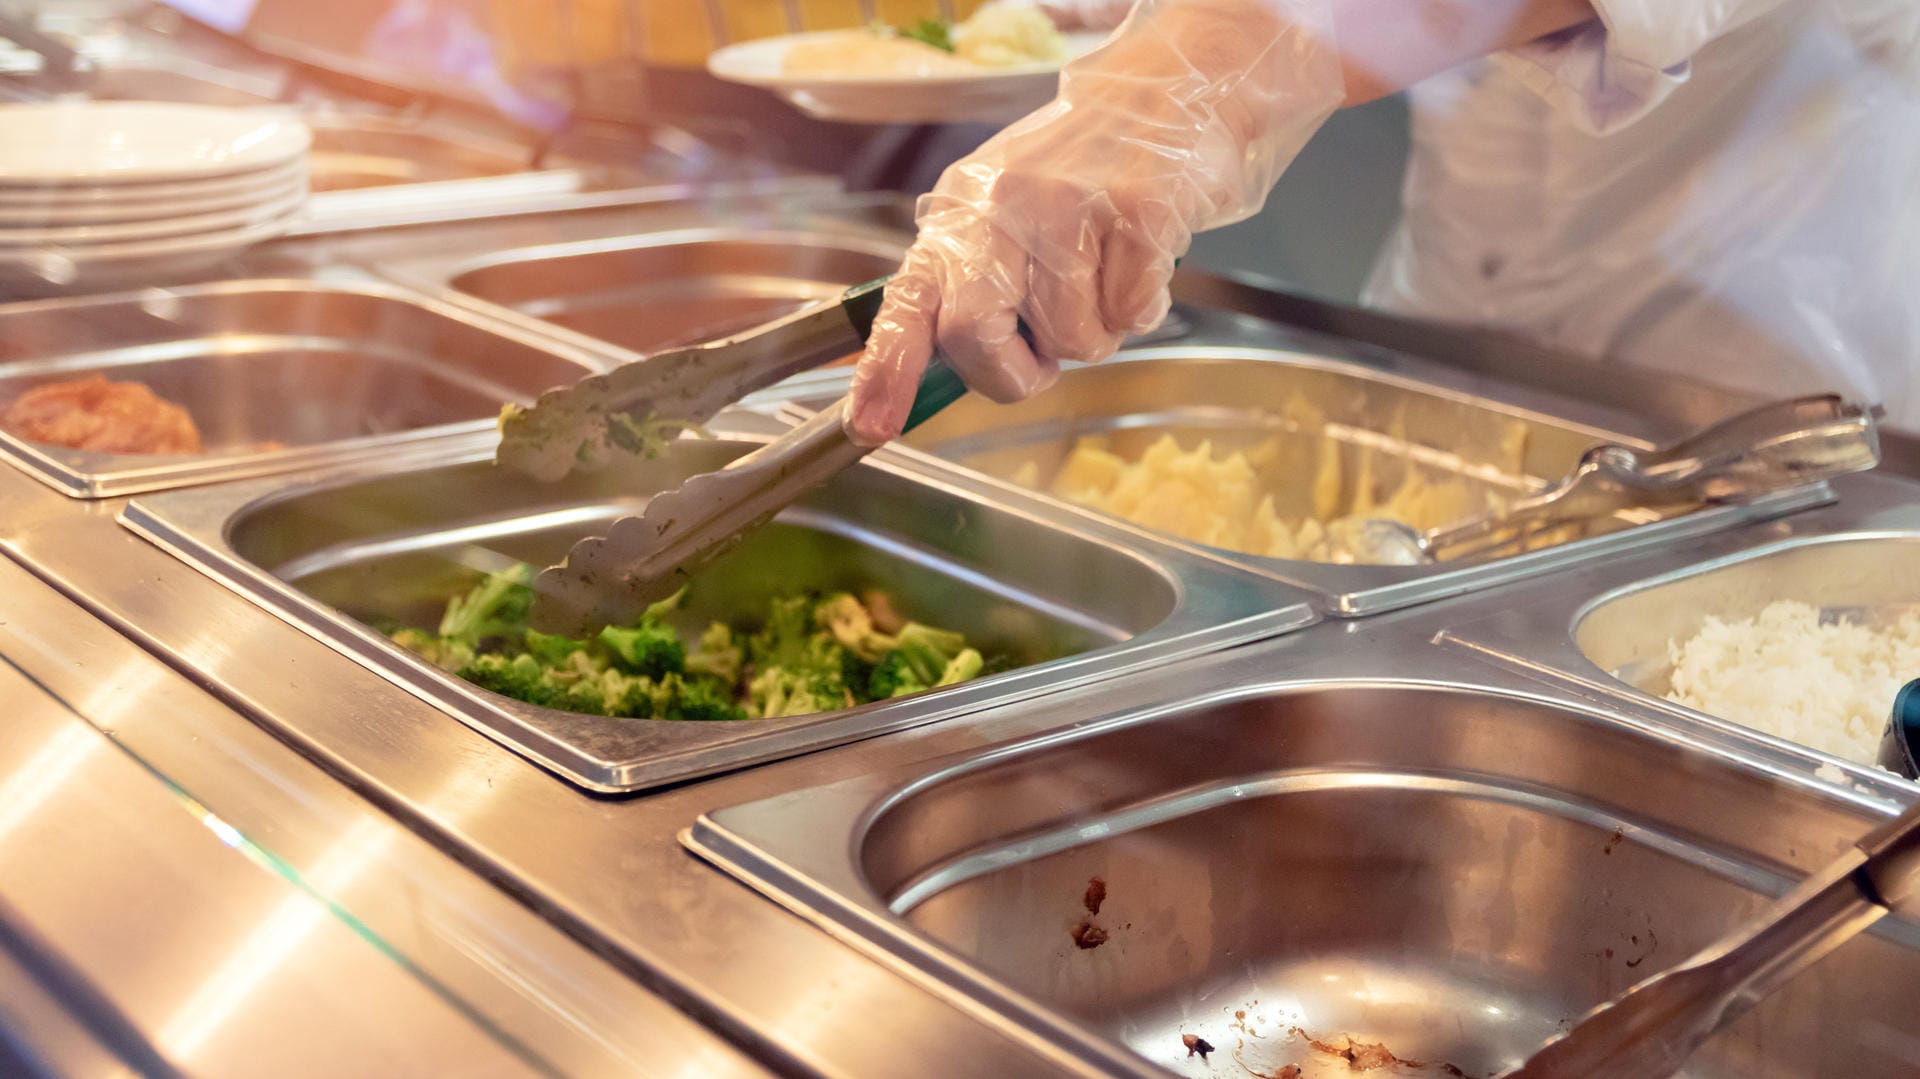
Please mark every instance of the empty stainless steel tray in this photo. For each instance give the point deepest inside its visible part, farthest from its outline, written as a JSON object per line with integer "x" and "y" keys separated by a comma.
{"x": 329, "y": 371}
{"x": 687, "y": 286}
{"x": 1377, "y": 423}
{"x": 1063, "y": 598}
{"x": 359, "y": 150}
{"x": 1452, "y": 872}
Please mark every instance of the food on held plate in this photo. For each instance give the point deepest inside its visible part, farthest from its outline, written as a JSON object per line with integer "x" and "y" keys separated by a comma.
{"x": 811, "y": 654}
{"x": 107, "y": 417}
{"x": 995, "y": 37}
{"x": 1787, "y": 672}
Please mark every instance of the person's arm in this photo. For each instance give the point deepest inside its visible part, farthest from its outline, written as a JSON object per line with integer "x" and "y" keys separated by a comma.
{"x": 1388, "y": 45}
{"x": 1069, "y": 221}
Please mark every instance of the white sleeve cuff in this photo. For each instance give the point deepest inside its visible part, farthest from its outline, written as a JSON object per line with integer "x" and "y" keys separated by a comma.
{"x": 1580, "y": 70}
{"x": 1615, "y": 70}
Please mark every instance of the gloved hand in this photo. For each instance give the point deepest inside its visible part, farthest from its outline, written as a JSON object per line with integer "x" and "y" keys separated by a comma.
{"x": 1071, "y": 218}
{"x": 1086, "y": 14}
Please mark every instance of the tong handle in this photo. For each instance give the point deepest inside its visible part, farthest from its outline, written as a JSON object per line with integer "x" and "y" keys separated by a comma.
{"x": 1775, "y": 447}
{"x": 1788, "y": 445}
{"x": 1749, "y": 427}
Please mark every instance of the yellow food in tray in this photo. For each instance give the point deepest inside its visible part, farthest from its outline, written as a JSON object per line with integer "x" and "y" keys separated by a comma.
{"x": 1227, "y": 499}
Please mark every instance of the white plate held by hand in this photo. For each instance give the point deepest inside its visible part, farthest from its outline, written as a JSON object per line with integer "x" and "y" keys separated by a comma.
{"x": 979, "y": 95}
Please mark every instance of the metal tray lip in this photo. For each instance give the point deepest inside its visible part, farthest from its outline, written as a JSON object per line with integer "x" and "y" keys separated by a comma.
{"x": 860, "y": 238}
{"x": 89, "y": 475}
{"x": 1561, "y": 662}
{"x": 1183, "y": 634}
{"x": 1333, "y": 587}
{"x": 838, "y": 381}
{"x": 837, "y": 899}
{"x": 438, "y": 277}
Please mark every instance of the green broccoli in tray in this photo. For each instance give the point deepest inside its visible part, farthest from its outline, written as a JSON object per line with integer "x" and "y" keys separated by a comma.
{"x": 809, "y": 654}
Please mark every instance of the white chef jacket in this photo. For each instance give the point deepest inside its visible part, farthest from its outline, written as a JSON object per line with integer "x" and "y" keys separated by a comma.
{"x": 1724, "y": 188}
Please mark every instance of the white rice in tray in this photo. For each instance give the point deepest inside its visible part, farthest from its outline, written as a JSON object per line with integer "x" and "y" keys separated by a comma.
{"x": 1781, "y": 671}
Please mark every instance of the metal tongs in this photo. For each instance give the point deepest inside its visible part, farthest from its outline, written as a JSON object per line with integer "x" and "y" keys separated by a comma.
{"x": 611, "y": 579}
{"x": 1786, "y": 444}
{"x": 1649, "y": 1032}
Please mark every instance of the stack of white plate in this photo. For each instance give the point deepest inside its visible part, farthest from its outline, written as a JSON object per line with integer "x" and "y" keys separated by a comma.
{"x": 106, "y": 194}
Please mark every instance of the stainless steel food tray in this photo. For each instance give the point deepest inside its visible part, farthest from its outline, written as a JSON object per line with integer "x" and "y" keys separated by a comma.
{"x": 1450, "y": 870}
{"x": 331, "y": 370}
{"x": 645, "y": 293}
{"x": 1604, "y": 629}
{"x": 1011, "y": 573}
{"x": 1234, "y": 397}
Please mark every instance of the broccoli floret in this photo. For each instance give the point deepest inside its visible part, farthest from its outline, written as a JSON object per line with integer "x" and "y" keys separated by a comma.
{"x": 893, "y": 677}
{"x": 610, "y": 692}
{"x": 495, "y": 608}
{"x": 929, "y": 650}
{"x": 852, "y": 625}
{"x": 521, "y": 677}
{"x": 696, "y": 700}
{"x": 783, "y": 640}
{"x": 650, "y": 649}
{"x": 551, "y": 649}
{"x": 718, "y": 656}
{"x": 447, "y": 655}
{"x": 964, "y": 668}
{"x": 780, "y": 691}
{"x": 925, "y": 659}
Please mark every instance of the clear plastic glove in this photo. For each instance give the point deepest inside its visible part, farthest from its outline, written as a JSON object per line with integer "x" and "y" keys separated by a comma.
{"x": 1086, "y": 14}
{"x": 1070, "y": 220}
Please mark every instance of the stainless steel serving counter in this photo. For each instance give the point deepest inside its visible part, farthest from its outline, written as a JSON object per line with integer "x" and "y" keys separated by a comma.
{"x": 344, "y": 818}
{"x": 200, "y": 899}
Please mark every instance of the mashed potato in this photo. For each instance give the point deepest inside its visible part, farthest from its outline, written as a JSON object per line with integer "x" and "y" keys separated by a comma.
{"x": 1009, "y": 36}
{"x": 1224, "y": 501}
{"x": 1783, "y": 672}
{"x": 993, "y": 37}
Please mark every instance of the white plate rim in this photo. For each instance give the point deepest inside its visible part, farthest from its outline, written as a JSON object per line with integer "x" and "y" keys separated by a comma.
{"x": 177, "y": 245}
{"x": 281, "y": 136}
{"x": 238, "y": 186}
{"x": 129, "y": 231}
{"x": 134, "y": 212}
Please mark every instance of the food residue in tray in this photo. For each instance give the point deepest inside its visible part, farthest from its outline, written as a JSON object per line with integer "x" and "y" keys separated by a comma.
{"x": 1096, "y": 894}
{"x": 994, "y": 37}
{"x": 106, "y": 417}
{"x": 102, "y": 416}
{"x": 1788, "y": 672}
{"x": 810, "y": 654}
{"x": 1087, "y": 935}
{"x": 1343, "y": 1053}
{"x": 1227, "y": 500}
{"x": 1196, "y": 1044}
